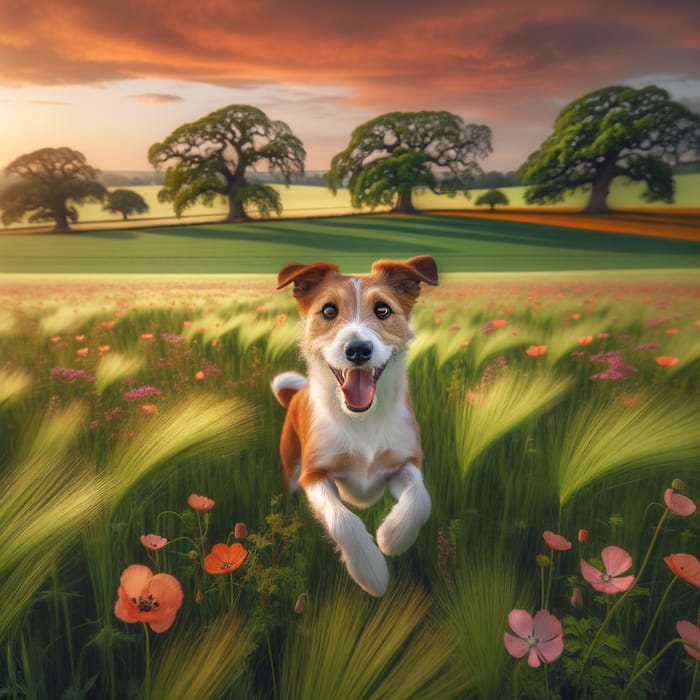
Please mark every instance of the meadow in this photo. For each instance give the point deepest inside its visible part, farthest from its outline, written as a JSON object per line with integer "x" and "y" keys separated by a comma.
{"x": 137, "y": 428}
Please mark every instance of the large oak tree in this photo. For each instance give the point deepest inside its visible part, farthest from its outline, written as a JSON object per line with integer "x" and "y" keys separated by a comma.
{"x": 52, "y": 181}
{"x": 392, "y": 154}
{"x": 211, "y": 157}
{"x": 618, "y": 131}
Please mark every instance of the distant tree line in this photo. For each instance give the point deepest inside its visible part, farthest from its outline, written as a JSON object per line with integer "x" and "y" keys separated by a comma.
{"x": 640, "y": 135}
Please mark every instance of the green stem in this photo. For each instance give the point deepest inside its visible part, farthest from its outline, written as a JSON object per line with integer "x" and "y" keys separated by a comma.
{"x": 638, "y": 657}
{"x": 542, "y": 595}
{"x": 623, "y": 597}
{"x": 648, "y": 665}
{"x": 549, "y": 579}
{"x": 272, "y": 663}
{"x": 147, "y": 680}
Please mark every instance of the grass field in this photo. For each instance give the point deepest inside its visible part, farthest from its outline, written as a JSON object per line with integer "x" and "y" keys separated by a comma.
{"x": 459, "y": 244}
{"x": 555, "y": 379}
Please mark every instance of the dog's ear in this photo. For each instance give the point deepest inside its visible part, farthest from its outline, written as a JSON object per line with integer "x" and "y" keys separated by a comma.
{"x": 405, "y": 277}
{"x": 305, "y": 277}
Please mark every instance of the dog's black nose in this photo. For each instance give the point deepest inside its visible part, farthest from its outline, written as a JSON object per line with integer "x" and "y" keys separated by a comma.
{"x": 358, "y": 351}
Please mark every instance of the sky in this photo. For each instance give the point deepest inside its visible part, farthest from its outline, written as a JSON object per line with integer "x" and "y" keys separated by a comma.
{"x": 111, "y": 77}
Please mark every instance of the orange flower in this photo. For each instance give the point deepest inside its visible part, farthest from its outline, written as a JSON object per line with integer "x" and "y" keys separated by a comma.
{"x": 585, "y": 340}
{"x": 79, "y": 338}
{"x": 102, "y": 349}
{"x": 143, "y": 597}
{"x": 536, "y": 350}
{"x": 146, "y": 337}
{"x": 671, "y": 331}
{"x": 685, "y": 566}
{"x": 223, "y": 559}
{"x": 576, "y": 317}
{"x": 199, "y": 376}
{"x": 200, "y": 503}
{"x": 82, "y": 352}
{"x": 149, "y": 408}
{"x": 666, "y": 361}
{"x": 108, "y": 324}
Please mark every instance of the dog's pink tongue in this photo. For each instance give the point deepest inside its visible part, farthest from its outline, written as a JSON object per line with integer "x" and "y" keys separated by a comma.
{"x": 358, "y": 389}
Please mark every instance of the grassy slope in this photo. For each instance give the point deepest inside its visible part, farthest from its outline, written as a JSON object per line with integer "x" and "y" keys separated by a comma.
{"x": 458, "y": 244}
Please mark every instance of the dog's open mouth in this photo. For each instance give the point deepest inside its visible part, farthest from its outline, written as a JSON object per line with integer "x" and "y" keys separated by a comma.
{"x": 358, "y": 386}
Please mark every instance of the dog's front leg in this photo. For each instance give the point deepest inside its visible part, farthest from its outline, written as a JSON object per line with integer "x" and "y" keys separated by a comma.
{"x": 364, "y": 562}
{"x": 412, "y": 508}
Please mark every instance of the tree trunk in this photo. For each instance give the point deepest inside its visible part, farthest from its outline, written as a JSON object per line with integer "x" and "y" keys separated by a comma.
{"x": 236, "y": 212}
{"x": 61, "y": 218}
{"x": 404, "y": 204}
{"x": 598, "y": 204}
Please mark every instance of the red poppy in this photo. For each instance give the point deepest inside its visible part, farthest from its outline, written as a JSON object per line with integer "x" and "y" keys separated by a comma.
{"x": 690, "y": 633}
{"x": 666, "y": 361}
{"x": 678, "y": 503}
{"x": 536, "y": 350}
{"x": 200, "y": 503}
{"x": 223, "y": 558}
{"x": 585, "y": 340}
{"x": 143, "y": 597}
{"x": 555, "y": 541}
{"x": 685, "y": 566}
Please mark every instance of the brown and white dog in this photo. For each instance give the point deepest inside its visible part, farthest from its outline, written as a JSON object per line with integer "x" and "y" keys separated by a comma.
{"x": 350, "y": 430}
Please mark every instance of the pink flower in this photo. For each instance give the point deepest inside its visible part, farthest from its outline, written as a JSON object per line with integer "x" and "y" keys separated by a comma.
{"x": 616, "y": 561}
{"x": 153, "y": 541}
{"x": 678, "y": 503}
{"x": 555, "y": 541}
{"x": 540, "y": 638}
{"x": 689, "y": 633}
{"x": 143, "y": 597}
{"x": 200, "y": 503}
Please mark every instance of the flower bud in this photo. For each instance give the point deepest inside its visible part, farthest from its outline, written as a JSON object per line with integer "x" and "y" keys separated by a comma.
{"x": 199, "y": 597}
{"x": 616, "y": 520}
{"x": 240, "y": 531}
{"x": 543, "y": 561}
{"x": 577, "y": 598}
{"x": 678, "y": 484}
{"x": 583, "y": 536}
{"x": 300, "y": 604}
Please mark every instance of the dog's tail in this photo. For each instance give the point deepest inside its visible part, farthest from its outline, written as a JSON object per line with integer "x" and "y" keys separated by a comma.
{"x": 285, "y": 385}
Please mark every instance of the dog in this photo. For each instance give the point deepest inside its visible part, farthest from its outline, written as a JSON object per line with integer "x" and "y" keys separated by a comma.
{"x": 350, "y": 430}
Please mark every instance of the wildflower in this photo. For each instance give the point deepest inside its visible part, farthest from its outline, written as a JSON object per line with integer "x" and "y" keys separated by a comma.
{"x": 240, "y": 531}
{"x": 678, "y": 503}
{"x": 536, "y": 350}
{"x": 644, "y": 347}
{"x": 666, "y": 361}
{"x": 200, "y": 503}
{"x": 555, "y": 541}
{"x": 576, "y": 317}
{"x": 199, "y": 376}
{"x": 143, "y": 597}
{"x": 616, "y": 561}
{"x": 464, "y": 344}
{"x": 142, "y": 392}
{"x": 172, "y": 338}
{"x": 147, "y": 337}
{"x": 199, "y": 597}
{"x": 689, "y": 633}
{"x": 82, "y": 352}
{"x": 281, "y": 319}
{"x": 223, "y": 558}
{"x": 540, "y": 638}
{"x": 150, "y": 409}
{"x": 102, "y": 349}
{"x": 71, "y": 374}
{"x": 56, "y": 339}
{"x": 543, "y": 561}
{"x": 260, "y": 310}
{"x": 491, "y": 326}
{"x": 108, "y": 324}
{"x": 585, "y": 340}
{"x": 671, "y": 331}
{"x": 582, "y": 536}
{"x": 153, "y": 542}
{"x": 300, "y": 604}
{"x": 603, "y": 336}
{"x": 685, "y": 566}
{"x": 577, "y": 598}
{"x": 79, "y": 338}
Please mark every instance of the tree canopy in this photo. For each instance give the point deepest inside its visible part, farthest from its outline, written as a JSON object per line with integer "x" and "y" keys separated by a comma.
{"x": 392, "y": 154}
{"x": 492, "y": 197}
{"x": 51, "y": 182}
{"x": 125, "y": 202}
{"x": 639, "y": 134}
{"x": 210, "y": 157}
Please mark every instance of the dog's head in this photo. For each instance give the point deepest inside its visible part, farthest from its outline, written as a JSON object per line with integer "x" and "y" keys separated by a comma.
{"x": 355, "y": 325}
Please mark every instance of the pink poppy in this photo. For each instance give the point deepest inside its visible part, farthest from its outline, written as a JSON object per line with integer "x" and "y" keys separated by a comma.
{"x": 616, "y": 561}
{"x": 555, "y": 541}
{"x": 540, "y": 638}
{"x": 143, "y": 597}
{"x": 153, "y": 542}
{"x": 200, "y": 503}
{"x": 690, "y": 633}
{"x": 678, "y": 503}
{"x": 685, "y": 566}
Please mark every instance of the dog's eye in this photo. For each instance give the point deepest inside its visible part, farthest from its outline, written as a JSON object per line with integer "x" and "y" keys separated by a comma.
{"x": 382, "y": 310}
{"x": 329, "y": 311}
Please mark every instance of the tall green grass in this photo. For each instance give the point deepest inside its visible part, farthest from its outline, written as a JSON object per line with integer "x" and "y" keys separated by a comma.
{"x": 514, "y": 444}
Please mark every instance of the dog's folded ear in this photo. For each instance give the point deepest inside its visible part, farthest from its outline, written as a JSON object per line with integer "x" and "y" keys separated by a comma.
{"x": 305, "y": 277}
{"x": 406, "y": 276}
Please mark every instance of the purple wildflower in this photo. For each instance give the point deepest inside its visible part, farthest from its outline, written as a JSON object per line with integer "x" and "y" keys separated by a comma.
{"x": 142, "y": 392}
{"x": 643, "y": 347}
{"x": 172, "y": 338}
{"x": 72, "y": 375}
{"x": 617, "y": 368}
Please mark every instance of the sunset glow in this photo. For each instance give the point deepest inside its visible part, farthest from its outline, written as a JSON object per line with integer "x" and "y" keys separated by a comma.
{"x": 111, "y": 78}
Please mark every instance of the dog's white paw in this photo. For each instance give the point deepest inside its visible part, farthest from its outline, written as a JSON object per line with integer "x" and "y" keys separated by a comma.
{"x": 401, "y": 527}
{"x": 363, "y": 560}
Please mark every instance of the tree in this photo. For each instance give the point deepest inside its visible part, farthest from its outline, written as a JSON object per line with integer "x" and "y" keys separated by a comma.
{"x": 125, "y": 202}
{"x": 210, "y": 157}
{"x": 617, "y": 131}
{"x": 52, "y": 181}
{"x": 389, "y": 156}
{"x": 492, "y": 198}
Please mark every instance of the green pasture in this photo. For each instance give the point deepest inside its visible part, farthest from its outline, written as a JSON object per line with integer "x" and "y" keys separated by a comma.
{"x": 458, "y": 245}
